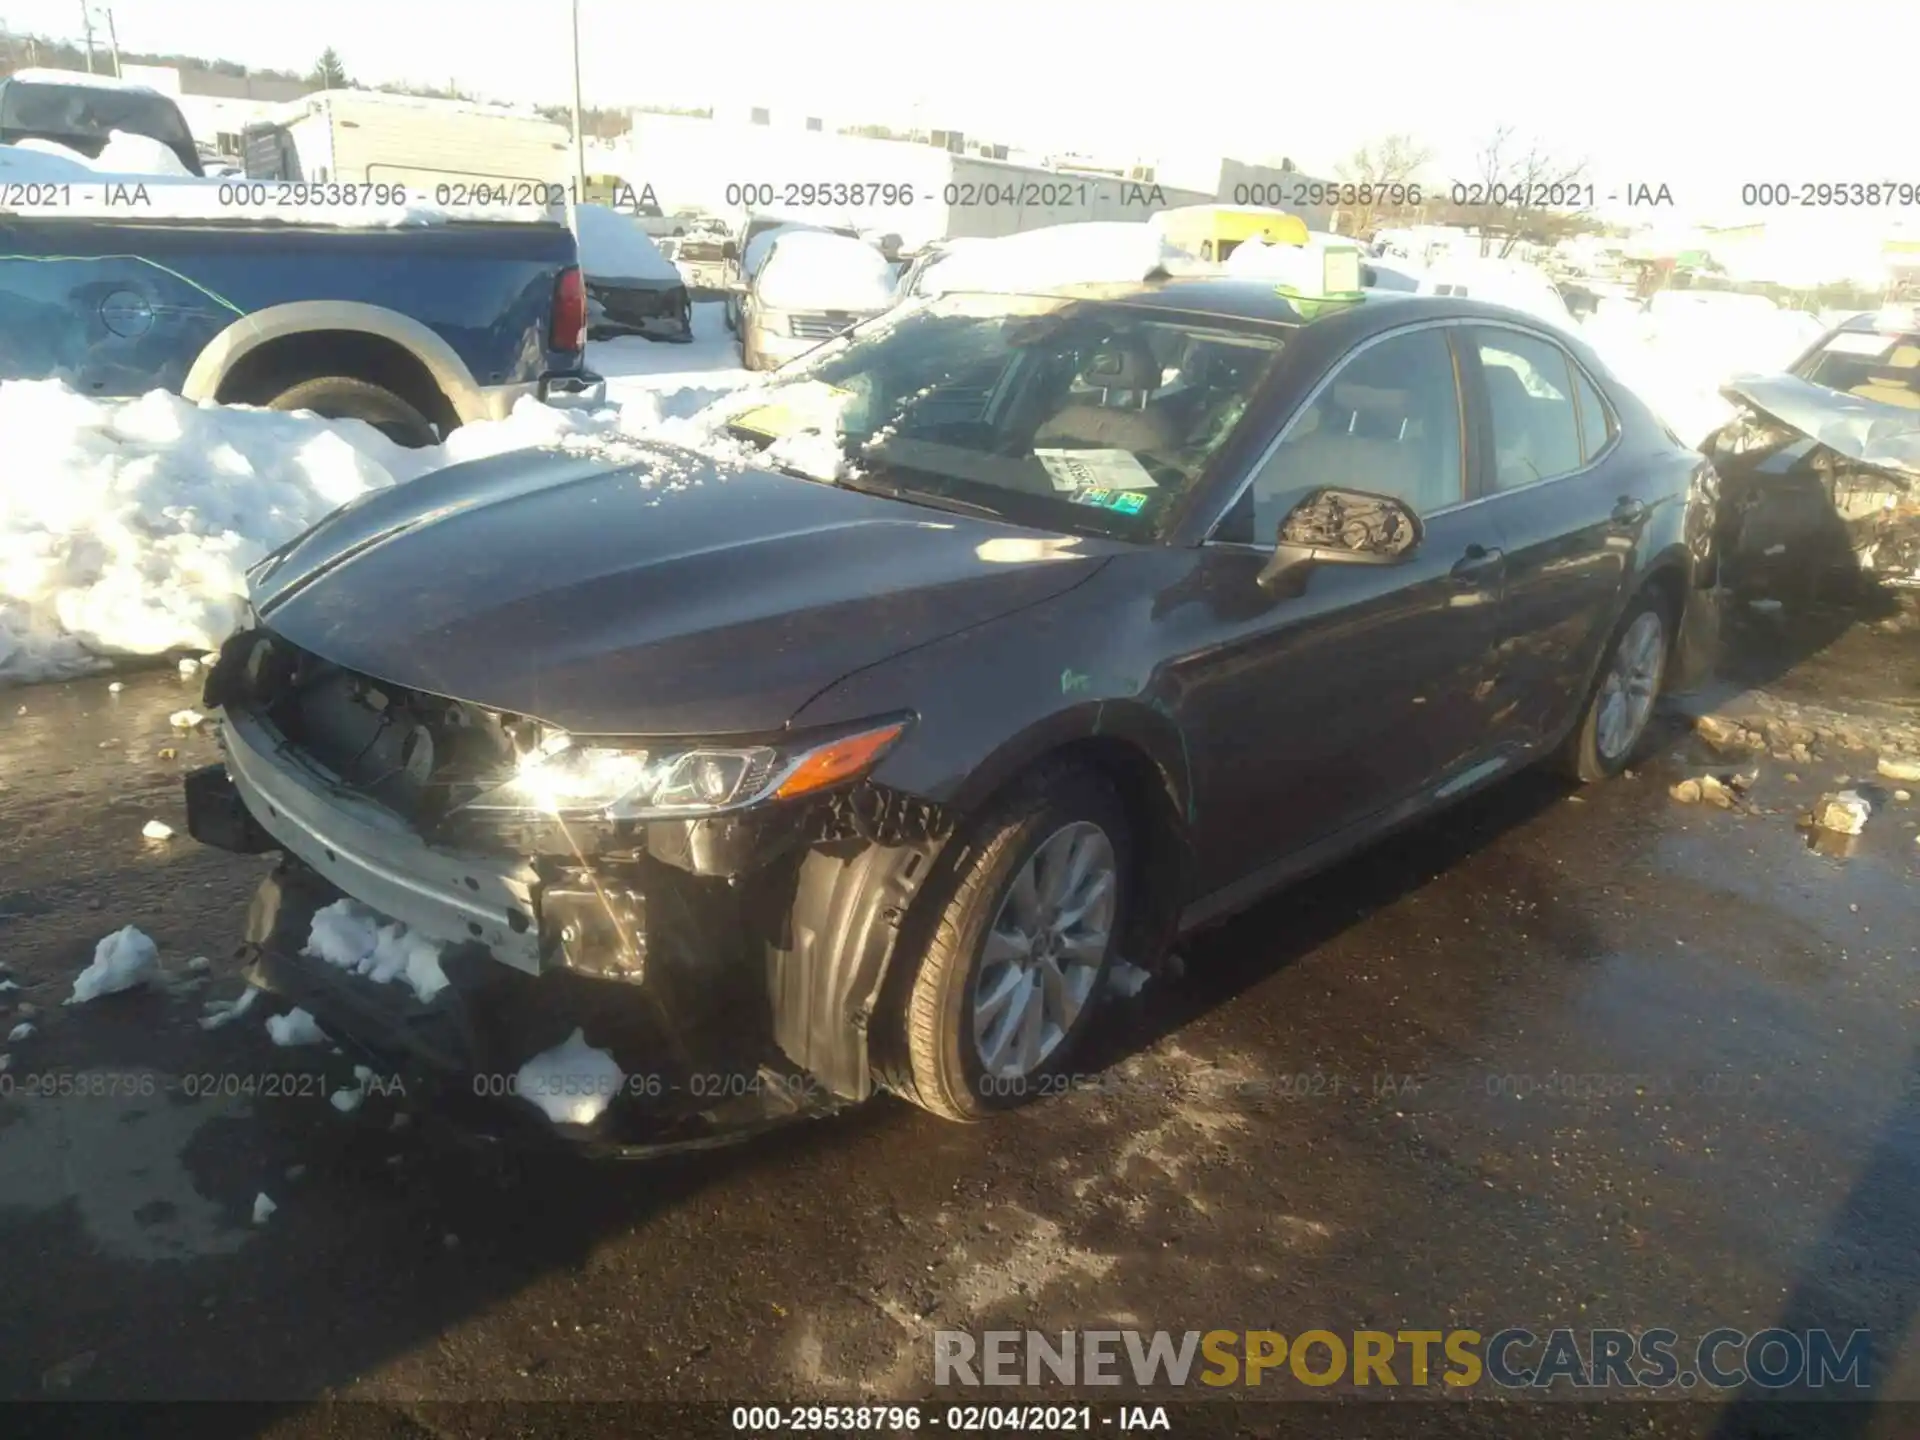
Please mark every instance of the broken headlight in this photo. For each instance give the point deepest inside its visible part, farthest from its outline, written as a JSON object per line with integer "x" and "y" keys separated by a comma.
{"x": 676, "y": 781}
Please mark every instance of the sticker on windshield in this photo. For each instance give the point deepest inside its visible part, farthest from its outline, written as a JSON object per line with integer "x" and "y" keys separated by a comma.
{"x": 806, "y": 405}
{"x": 1126, "y": 502}
{"x": 1095, "y": 469}
{"x": 1859, "y": 342}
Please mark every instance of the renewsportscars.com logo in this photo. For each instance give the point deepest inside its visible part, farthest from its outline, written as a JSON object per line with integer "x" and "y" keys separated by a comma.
{"x": 1513, "y": 1359}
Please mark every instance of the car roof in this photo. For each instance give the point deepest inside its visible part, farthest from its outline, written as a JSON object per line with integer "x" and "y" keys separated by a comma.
{"x": 1259, "y": 299}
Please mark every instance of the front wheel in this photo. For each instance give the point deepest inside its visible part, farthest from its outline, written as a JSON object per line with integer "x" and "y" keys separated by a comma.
{"x": 1020, "y": 947}
{"x": 1622, "y": 703}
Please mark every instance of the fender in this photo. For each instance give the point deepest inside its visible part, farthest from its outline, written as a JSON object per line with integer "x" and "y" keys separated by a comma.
{"x": 247, "y": 334}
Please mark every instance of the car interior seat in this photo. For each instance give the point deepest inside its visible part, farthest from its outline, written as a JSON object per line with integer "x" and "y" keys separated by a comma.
{"x": 1895, "y": 380}
{"x": 1126, "y": 373}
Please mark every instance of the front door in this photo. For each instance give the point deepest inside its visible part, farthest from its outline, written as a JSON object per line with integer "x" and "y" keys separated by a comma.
{"x": 1309, "y": 713}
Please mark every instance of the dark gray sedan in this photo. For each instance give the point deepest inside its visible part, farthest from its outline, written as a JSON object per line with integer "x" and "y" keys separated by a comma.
{"x": 1042, "y": 629}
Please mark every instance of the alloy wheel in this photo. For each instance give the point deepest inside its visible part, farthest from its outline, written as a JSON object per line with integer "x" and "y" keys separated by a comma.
{"x": 1044, "y": 951}
{"x": 1631, "y": 684}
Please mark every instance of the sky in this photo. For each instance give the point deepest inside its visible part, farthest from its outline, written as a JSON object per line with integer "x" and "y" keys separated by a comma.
{"x": 1697, "y": 95}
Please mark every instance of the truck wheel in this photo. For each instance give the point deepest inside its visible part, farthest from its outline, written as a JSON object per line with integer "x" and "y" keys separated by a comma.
{"x": 341, "y": 397}
{"x": 1020, "y": 947}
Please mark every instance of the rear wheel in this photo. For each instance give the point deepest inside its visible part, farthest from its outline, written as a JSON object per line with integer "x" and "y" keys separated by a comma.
{"x": 1020, "y": 948}
{"x": 342, "y": 397}
{"x": 1624, "y": 696}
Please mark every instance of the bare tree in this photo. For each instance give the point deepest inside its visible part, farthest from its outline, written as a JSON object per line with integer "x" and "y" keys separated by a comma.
{"x": 1523, "y": 192}
{"x": 1387, "y": 170}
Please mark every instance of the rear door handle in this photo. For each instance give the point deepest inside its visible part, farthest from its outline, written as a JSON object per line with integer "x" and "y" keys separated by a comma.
{"x": 1477, "y": 564}
{"x": 1628, "y": 512}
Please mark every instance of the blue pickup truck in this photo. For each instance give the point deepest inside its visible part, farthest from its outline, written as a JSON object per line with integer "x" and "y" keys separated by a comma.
{"x": 415, "y": 328}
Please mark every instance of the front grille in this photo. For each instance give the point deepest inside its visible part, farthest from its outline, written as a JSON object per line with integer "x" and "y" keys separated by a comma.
{"x": 821, "y": 327}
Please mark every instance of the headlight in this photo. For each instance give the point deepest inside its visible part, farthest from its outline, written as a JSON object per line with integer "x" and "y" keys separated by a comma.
{"x": 630, "y": 783}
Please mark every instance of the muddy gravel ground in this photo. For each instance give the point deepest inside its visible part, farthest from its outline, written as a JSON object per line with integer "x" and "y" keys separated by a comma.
{"x": 1554, "y": 1059}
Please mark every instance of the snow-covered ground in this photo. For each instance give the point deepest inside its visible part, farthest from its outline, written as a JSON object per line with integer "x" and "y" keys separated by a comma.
{"x": 127, "y": 526}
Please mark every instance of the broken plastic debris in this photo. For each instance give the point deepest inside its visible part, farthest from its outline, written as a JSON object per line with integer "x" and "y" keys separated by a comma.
{"x": 1844, "y": 813}
{"x": 123, "y": 960}
{"x": 157, "y": 830}
{"x": 572, "y": 1083}
{"x": 296, "y": 1027}
{"x": 185, "y": 719}
{"x": 262, "y": 1208}
{"x": 19, "y": 1032}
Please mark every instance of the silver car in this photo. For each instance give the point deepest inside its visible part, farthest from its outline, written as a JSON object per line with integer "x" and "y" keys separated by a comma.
{"x": 810, "y": 287}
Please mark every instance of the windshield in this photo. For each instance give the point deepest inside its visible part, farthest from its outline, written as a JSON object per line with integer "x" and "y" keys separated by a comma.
{"x": 1868, "y": 364}
{"x": 82, "y": 117}
{"x": 1067, "y": 414}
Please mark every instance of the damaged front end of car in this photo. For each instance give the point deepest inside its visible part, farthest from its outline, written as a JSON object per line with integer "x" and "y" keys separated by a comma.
{"x": 716, "y": 915}
{"x": 1819, "y": 488}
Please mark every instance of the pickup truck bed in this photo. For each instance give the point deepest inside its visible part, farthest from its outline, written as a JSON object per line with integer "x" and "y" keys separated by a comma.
{"x": 417, "y": 328}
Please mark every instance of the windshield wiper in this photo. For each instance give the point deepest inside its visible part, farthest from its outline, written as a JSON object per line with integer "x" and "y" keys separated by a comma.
{"x": 928, "y": 498}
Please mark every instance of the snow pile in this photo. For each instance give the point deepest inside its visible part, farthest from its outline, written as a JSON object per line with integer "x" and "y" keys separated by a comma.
{"x": 296, "y": 1027}
{"x": 1083, "y": 252}
{"x": 614, "y": 247}
{"x": 129, "y": 154}
{"x": 220, "y": 1012}
{"x": 127, "y": 526}
{"x": 348, "y": 934}
{"x": 572, "y": 1083}
{"x": 812, "y": 270}
{"x": 123, "y": 960}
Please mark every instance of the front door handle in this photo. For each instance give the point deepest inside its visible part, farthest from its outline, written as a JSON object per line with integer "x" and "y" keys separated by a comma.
{"x": 1629, "y": 512}
{"x": 1474, "y": 567}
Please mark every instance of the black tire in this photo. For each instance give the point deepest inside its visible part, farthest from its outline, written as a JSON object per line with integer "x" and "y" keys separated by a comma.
{"x": 342, "y": 397}
{"x": 1580, "y": 757}
{"x": 729, "y": 317}
{"x": 943, "y": 1072}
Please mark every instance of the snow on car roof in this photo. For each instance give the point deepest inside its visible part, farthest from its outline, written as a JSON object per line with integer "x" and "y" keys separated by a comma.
{"x": 614, "y": 247}
{"x": 43, "y": 76}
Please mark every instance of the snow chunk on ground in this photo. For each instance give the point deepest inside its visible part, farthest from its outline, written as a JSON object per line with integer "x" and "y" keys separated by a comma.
{"x": 123, "y": 960}
{"x": 1127, "y": 979}
{"x": 572, "y": 1083}
{"x": 157, "y": 830}
{"x": 262, "y": 1208}
{"x": 220, "y": 1012}
{"x": 614, "y": 247}
{"x": 296, "y": 1027}
{"x": 19, "y": 1032}
{"x": 348, "y": 934}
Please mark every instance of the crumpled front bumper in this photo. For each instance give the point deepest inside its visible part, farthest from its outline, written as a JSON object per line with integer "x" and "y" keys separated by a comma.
{"x": 699, "y": 1062}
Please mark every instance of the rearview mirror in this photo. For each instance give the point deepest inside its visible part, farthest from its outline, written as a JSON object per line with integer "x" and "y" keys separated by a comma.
{"x": 1341, "y": 527}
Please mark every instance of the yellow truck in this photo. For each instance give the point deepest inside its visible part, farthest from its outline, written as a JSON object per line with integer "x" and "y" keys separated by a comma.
{"x": 1212, "y": 232}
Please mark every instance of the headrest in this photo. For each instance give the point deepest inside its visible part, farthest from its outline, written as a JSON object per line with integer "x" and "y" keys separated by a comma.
{"x": 1126, "y": 364}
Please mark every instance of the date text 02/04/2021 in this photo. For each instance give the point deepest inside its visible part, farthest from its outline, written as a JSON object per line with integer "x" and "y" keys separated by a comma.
{"x": 958, "y": 1419}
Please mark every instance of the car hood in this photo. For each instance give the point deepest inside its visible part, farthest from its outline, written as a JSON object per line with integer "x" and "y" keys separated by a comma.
{"x": 671, "y": 595}
{"x": 1887, "y": 437}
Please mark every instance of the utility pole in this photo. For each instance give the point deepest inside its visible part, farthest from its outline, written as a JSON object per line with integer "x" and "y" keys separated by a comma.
{"x": 113, "y": 39}
{"x": 579, "y": 128}
{"x": 86, "y": 24}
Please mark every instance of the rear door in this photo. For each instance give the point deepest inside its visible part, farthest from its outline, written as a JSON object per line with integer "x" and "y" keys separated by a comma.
{"x": 1310, "y": 713}
{"x": 1569, "y": 512}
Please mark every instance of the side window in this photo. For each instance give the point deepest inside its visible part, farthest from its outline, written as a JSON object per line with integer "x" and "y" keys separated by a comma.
{"x": 1596, "y": 421}
{"x": 1388, "y": 423}
{"x": 1536, "y": 428}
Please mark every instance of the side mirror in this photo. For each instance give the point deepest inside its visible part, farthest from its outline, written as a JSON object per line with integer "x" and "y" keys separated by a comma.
{"x": 1341, "y": 527}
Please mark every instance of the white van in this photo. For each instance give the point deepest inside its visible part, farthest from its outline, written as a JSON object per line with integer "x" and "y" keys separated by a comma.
{"x": 477, "y": 154}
